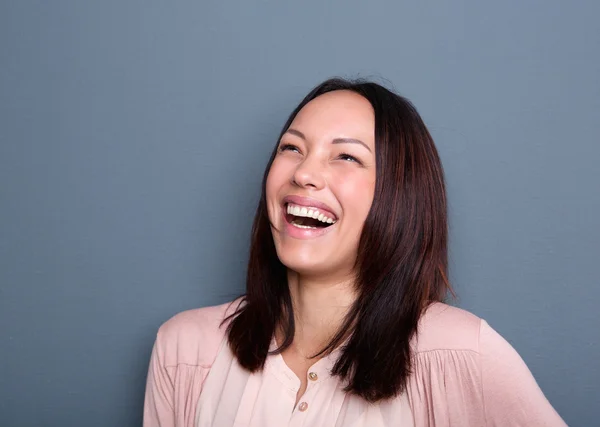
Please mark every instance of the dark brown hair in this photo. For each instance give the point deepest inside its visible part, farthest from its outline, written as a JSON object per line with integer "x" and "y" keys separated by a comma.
{"x": 401, "y": 265}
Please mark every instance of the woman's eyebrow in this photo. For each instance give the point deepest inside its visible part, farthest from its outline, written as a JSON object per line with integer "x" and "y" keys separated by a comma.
{"x": 296, "y": 132}
{"x": 335, "y": 141}
{"x": 350, "y": 141}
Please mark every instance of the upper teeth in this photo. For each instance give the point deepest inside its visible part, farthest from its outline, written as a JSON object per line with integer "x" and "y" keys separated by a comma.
{"x": 308, "y": 212}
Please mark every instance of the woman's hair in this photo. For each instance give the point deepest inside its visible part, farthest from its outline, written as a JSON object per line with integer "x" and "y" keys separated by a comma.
{"x": 401, "y": 265}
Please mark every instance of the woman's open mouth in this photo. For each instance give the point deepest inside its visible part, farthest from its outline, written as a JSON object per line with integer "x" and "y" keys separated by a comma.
{"x": 307, "y": 217}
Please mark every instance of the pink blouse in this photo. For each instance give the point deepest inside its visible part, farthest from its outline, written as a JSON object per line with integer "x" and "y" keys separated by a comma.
{"x": 465, "y": 374}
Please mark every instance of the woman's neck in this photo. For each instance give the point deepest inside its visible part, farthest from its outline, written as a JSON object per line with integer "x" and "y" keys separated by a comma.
{"x": 320, "y": 307}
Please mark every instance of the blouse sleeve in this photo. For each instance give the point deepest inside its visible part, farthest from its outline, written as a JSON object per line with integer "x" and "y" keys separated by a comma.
{"x": 511, "y": 395}
{"x": 185, "y": 348}
{"x": 160, "y": 390}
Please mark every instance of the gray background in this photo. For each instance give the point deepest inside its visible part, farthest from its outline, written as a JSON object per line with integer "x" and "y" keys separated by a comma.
{"x": 134, "y": 135}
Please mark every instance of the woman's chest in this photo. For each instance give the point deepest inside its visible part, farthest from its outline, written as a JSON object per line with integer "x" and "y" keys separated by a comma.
{"x": 276, "y": 397}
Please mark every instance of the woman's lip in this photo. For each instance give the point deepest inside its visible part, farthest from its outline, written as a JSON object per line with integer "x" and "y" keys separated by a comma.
{"x": 302, "y": 233}
{"x": 309, "y": 202}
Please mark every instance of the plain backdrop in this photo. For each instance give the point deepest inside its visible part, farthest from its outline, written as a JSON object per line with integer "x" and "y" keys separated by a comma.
{"x": 133, "y": 138}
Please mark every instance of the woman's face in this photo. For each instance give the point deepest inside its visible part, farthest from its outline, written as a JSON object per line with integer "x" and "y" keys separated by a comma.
{"x": 320, "y": 186}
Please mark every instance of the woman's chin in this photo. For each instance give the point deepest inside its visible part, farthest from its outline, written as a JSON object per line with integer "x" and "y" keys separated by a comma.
{"x": 312, "y": 266}
{"x": 302, "y": 265}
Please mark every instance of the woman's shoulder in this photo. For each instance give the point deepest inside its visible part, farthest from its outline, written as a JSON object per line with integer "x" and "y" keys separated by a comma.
{"x": 444, "y": 327}
{"x": 473, "y": 374}
{"x": 193, "y": 337}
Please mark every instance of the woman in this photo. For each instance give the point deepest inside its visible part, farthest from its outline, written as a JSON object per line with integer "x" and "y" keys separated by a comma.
{"x": 342, "y": 323}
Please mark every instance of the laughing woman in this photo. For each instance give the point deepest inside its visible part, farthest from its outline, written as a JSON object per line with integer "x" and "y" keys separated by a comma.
{"x": 343, "y": 323}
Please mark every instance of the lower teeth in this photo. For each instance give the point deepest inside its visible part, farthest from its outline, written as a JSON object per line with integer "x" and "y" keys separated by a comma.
{"x": 303, "y": 226}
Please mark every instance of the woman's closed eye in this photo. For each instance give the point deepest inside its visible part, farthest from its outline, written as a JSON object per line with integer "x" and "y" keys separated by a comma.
{"x": 348, "y": 157}
{"x": 286, "y": 147}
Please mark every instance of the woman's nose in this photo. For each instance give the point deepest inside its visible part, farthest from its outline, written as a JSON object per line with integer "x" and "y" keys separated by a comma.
{"x": 309, "y": 174}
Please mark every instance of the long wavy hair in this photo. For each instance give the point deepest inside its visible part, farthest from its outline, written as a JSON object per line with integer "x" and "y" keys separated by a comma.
{"x": 401, "y": 265}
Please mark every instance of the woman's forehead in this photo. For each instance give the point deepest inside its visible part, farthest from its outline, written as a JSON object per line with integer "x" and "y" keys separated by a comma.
{"x": 340, "y": 113}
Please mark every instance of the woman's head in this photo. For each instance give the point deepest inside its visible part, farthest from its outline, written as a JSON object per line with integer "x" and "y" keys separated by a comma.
{"x": 320, "y": 185}
{"x": 385, "y": 195}
{"x": 390, "y": 230}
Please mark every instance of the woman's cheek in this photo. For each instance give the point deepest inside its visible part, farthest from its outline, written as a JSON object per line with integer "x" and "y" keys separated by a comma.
{"x": 357, "y": 186}
{"x": 358, "y": 196}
